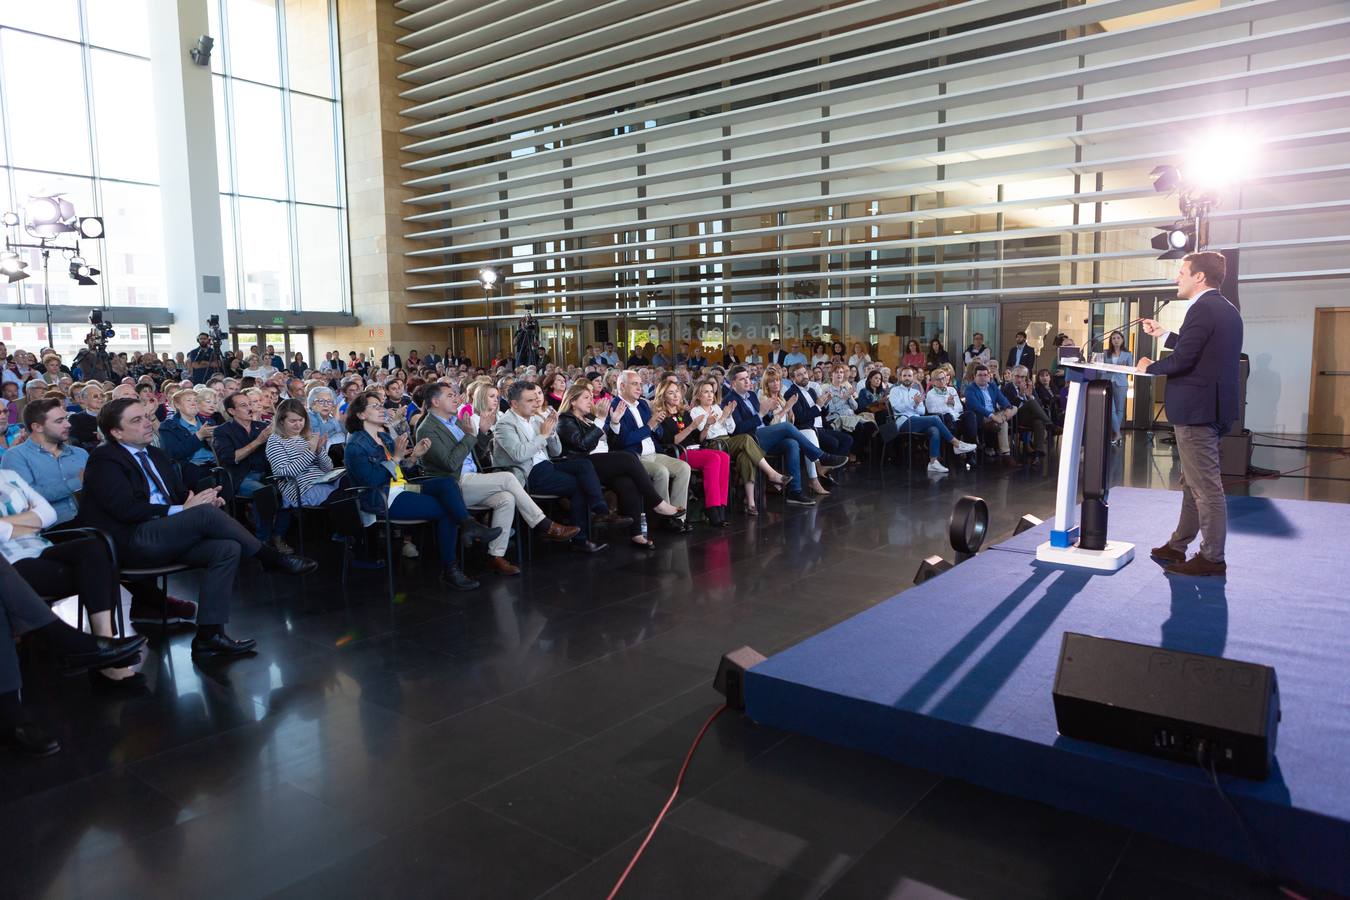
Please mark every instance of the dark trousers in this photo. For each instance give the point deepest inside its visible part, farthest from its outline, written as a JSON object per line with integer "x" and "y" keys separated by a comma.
{"x": 24, "y": 611}
{"x": 623, "y": 474}
{"x": 202, "y": 536}
{"x": 574, "y": 479}
{"x": 966, "y": 427}
{"x": 839, "y": 443}
{"x": 81, "y": 566}
{"x": 441, "y": 502}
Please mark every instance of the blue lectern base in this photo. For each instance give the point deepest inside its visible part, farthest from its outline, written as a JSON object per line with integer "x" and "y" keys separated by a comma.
{"x": 1115, "y": 556}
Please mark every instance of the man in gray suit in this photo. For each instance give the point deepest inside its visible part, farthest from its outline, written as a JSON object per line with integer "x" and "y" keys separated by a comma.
{"x": 527, "y": 444}
{"x": 453, "y": 442}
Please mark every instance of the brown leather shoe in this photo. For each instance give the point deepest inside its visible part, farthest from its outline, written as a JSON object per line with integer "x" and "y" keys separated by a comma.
{"x": 1166, "y": 554}
{"x": 556, "y": 532}
{"x": 502, "y": 567}
{"x": 1197, "y": 566}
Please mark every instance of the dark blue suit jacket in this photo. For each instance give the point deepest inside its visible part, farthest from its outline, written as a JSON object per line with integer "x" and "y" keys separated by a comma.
{"x": 747, "y": 418}
{"x": 1024, "y": 356}
{"x": 1202, "y": 370}
{"x": 631, "y": 436}
{"x": 804, "y": 415}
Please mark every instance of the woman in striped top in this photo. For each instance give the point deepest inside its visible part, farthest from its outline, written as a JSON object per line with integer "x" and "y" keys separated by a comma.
{"x": 299, "y": 456}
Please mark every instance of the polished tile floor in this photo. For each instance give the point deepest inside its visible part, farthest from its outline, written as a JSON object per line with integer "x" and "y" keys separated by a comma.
{"x": 516, "y": 742}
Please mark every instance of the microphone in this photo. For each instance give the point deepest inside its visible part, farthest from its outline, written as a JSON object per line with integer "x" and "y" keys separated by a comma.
{"x": 1126, "y": 327}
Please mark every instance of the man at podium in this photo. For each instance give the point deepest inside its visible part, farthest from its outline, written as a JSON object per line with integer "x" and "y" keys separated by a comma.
{"x": 1202, "y": 402}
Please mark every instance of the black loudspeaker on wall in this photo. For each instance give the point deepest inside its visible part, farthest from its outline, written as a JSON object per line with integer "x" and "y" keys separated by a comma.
{"x": 602, "y": 331}
{"x": 1167, "y": 703}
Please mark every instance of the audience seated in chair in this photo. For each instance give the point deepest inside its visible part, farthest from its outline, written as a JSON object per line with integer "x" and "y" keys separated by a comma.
{"x": 629, "y": 427}
{"x": 678, "y": 433}
{"x": 25, "y": 615}
{"x": 240, "y": 447}
{"x": 844, "y": 416}
{"x": 187, "y": 439}
{"x": 79, "y": 566}
{"x": 621, "y": 472}
{"x": 299, "y": 458}
{"x": 133, "y": 493}
{"x": 992, "y": 410}
{"x": 457, "y": 440}
{"x": 907, "y": 407}
{"x": 375, "y": 464}
{"x": 944, "y": 401}
{"x": 778, "y": 436}
{"x": 717, "y": 430}
{"x": 527, "y": 445}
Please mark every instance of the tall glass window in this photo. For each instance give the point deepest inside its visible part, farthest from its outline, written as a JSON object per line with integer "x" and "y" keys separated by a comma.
{"x": 77, "y": 119}
{"x": 278, "y": 142}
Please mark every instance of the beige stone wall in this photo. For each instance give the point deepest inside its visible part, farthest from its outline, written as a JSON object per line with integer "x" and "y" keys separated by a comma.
{"x": 375, "y": 196}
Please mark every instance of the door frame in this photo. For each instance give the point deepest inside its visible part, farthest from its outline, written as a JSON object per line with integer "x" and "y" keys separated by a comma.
{"x": 1312, "y": 362}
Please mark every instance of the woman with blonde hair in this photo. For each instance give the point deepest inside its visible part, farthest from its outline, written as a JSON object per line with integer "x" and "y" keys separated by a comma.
{"x": 621, "y": 472}
{"x": 778, "y": 408}
{"x": 716, "y": 428}
{"x": 677, "y": 432}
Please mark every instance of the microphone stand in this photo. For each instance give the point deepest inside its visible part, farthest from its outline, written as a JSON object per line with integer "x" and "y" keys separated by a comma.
{"x": 1126, "y": 327}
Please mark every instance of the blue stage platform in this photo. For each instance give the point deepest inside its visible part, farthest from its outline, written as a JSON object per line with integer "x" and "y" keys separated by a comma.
{"x": 955, "y": 676}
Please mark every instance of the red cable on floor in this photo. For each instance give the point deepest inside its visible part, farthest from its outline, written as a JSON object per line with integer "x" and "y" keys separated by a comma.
{"x": 679, "y": 779}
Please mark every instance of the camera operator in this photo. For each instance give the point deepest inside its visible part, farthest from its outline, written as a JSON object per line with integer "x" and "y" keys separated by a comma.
{"x": 93, "y": 362}
{"x": 204, "y": 360}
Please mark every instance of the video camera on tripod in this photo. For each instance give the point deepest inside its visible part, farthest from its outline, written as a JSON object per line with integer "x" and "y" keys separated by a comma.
{"x": 214, "y": 333}
{"x": 100, "y": 332}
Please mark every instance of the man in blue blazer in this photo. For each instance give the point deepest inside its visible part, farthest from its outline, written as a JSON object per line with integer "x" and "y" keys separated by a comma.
{"x": 783, "y": 438}
{"x": 1202, "y": 402}
{"x": 1021, "y": 354}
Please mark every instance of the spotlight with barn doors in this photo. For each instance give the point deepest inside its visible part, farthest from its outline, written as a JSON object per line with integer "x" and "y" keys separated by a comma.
{"x": 12, "y": 266}
{"x": 83, "y": 273}
{"x": 45, "y": 218}
{"x": 1215, "y": 163}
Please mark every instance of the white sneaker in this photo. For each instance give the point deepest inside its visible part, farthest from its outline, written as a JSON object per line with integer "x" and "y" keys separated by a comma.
{"x": 410, "y": 551}
{"x": 936, "y": 467}
{"x": 962, "y": 448}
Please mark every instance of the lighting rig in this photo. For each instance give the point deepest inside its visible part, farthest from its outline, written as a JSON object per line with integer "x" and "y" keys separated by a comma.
{"x": 47, "y": 221}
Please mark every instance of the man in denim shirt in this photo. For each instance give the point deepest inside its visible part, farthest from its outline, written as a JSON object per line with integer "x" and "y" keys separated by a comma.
{"x": 52, "y": 467}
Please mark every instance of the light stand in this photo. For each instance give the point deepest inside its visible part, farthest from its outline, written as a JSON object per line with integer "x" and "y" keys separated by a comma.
{"x": 48, "y": 217}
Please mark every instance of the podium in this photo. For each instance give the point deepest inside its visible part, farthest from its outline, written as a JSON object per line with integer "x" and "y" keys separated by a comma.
{"x": 1083, "y": 450}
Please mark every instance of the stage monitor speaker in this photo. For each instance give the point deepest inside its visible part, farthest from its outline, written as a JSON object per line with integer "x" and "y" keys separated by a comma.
{"x": 602, "y": 331}
{"x": 1235, "y": 454}
{"x": 730, "y": 678}
{"x": 1168, "y": 703}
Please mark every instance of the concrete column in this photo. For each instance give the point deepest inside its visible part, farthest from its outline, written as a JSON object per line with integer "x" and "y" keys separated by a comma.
{"x": 194, "y": 264}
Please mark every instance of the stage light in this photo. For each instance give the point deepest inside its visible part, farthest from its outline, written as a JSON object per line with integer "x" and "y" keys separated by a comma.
{"x": 1219, "y": 159}
{"x": 82, "y": 273}
{"x": 968, "y": 526}
{"x": 91, "y": 227}
{"x": 43, "y": 210}
{"x": 12, "y": 266}
{"x": 48, "y": 216}
{"x": 931, "y": 567}
{"x": 489, "y": 277}
{"x": 1175, "y": 241}
{"x": 1166, "y": 179}
{"x": 11, "y": 219}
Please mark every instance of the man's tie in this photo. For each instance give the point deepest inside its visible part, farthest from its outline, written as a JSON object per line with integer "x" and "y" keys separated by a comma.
{"x": 151, "y": 477}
